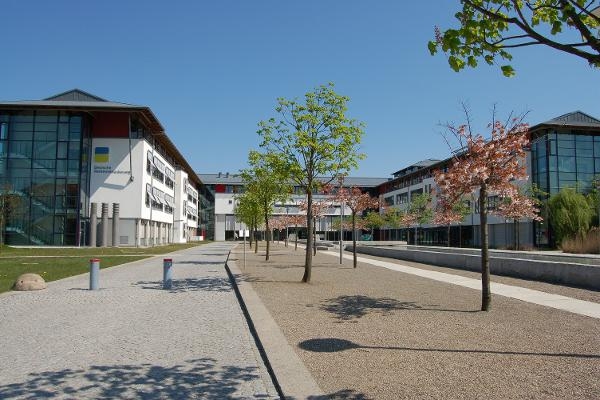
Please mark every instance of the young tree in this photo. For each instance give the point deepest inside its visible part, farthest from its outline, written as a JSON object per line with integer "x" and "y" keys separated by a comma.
{"x": 311, "y": 139}
{"x": 517, "y": 207}
{"x": 247, "y": 210}
{"x": 296, "y": 221}
{"x": 318, "y": 209}
{"x": 373, "y": 220}
{"x": 420, "y": 210}
{"x": 570, "y": 214}
{"x": 449, "y": 213}
{"x": 490, "y": 29}
{"x": 357, "y": 202}
{"x": 265, "y": 187}
{"x": 392, "y": 218}
{"x": 484, "y": 167}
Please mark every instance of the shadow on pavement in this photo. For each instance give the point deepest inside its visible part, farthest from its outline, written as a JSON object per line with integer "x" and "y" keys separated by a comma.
{"x": 209, "y": 284}
{"x": 331, "y": 345}
{"x": 350, "y": 307}
{"x": 346, "y": 394}
{"x": 207, "y": 262}
{"x": 199, "y": 378}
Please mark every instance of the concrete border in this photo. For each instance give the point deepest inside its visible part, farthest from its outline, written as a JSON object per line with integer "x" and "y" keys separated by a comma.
{"x": 291, "y": 378}
{"x": 567, "y": 271}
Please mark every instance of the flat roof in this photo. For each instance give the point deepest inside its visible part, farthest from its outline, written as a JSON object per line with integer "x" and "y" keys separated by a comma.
{"x": 234, "y": 179}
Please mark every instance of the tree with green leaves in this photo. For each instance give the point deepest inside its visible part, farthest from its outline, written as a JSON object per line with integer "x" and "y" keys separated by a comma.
{"x": 265, "y": 186}
{"x": 488, "y": 30}
{"x": 570, "y": 214}
{"x": 312, "y": 139}
{"x": 373, "y": 220}
{"x": 247, "y": 210}
{"x": 421, "y": 211}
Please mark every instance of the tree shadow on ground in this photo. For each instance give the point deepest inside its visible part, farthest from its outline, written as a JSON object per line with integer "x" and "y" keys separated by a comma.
{"x": 200, "y": 378}
{"x": 208, "y": 262}
{"x": 208, "y": 284}
{"x": 332, "y": 345}
{"x": 345, "y": 394}
{"x": 353, "y": 307}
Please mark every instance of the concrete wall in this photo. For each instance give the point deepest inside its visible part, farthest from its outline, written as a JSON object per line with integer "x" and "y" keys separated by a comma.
{"x": 569, "y": 270}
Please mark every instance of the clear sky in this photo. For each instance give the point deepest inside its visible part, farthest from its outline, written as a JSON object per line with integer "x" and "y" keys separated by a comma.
{"x": 210, "y": 70}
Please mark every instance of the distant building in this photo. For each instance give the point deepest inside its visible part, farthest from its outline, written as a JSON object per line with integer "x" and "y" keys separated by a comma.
{"x": 224, "y": 187}
{"x": 565, "y": 152}
{"x": 62, "y": 156}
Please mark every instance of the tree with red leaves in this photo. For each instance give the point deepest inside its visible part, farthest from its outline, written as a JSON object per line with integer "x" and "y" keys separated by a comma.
{"x": 357, "y": 202}
{"x": 485, "y": 166}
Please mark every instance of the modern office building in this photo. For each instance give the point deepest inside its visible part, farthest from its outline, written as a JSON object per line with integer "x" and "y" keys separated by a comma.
{"x": 565, "y": 152}
{"x": 224, "y": 187}
{"x": 76, "y": 169}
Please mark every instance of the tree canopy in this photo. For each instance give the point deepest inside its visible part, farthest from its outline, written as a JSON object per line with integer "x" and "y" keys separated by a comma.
{"x": 312, "y": 139}
{"x": 489, "y": 29}
{"x": 571, "y": 214}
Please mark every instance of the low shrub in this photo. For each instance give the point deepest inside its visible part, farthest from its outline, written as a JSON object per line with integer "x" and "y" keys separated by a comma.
{"x": 583, "y": 244}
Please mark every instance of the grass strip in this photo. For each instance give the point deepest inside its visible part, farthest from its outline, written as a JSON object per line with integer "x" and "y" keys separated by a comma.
{"x": 69, "y": 261}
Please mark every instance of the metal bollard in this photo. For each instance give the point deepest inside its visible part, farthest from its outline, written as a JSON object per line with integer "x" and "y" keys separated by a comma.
{"x": 167, "y": 273}
{"x": 94, "y": 272}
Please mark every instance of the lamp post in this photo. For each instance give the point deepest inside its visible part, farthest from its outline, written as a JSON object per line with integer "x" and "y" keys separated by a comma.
{"x": 342, "y": 205}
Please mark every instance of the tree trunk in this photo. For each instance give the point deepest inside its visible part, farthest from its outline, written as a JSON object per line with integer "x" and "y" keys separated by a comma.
{"x": 309, "y": 239}
{"x": 296, "y": 238}
{"x": 255, "y": 239}
{"x": 267, "y": 233}
{"x": 416, "y": 235}
{"x": 448, "y": 235}
{"x": 315, "y": 236}
{"x": 517, "y": 239}
{"x": 354, "y": 238}
{"x": 486, "y": 295}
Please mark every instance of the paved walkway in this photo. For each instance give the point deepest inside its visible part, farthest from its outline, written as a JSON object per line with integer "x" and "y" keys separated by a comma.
{"x": 131, "y": 338}
{"x": 532, "y": 296}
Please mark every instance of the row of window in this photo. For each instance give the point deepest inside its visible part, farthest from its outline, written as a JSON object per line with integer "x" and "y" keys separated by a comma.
{"x": 160, "y": 171}
{"x": 159, "y": 200}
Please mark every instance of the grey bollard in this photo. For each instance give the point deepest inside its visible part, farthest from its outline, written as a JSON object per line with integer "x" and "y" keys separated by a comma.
{"x": 94, "y": 272}
{"x": 167, "y": 273}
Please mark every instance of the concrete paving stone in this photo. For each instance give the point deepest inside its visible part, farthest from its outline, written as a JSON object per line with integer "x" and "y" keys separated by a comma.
{"x": 131, "y": 338}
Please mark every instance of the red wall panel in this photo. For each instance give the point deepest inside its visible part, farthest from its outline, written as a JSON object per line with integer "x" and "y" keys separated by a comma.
{"x": 110, "y": 125}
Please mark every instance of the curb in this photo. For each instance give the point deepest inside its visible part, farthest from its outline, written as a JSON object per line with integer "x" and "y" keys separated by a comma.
{"x": 290, "y": 377}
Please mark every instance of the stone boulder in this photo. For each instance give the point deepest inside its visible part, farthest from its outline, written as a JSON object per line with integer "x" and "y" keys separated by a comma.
{"x": 30, "y": 282}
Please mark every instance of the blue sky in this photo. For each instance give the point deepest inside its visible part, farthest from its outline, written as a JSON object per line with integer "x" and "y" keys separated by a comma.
{"x": 211, "y": 70}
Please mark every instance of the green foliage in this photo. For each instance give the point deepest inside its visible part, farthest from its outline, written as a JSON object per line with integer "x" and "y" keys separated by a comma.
{"x": 312, "y": 139}
{"x": 247, "y": 210}
{"x": 570, "y": 214}
{"x": 489, "y": 29}
{"x": 373, "y": 220}
{"x": 420, "y": 207}
{"x": 265, "y": 185}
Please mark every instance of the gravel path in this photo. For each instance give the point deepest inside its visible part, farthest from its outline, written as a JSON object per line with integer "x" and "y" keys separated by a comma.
{"x": 372, "y": 333}
{"x": 131, "y": 338}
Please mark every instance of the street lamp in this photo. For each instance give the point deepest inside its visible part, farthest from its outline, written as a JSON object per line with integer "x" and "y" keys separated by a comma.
{"x": 342, "y": 206}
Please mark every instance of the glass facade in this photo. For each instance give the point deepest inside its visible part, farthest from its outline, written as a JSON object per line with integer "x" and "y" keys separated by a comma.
{"x": 44, "y": 168}
{"x": 565, "y": 159}
{"x": 560, "y": 159}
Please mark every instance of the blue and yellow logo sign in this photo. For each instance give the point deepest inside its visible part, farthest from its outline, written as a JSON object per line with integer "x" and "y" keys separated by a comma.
{"x": 101, "y": 154}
